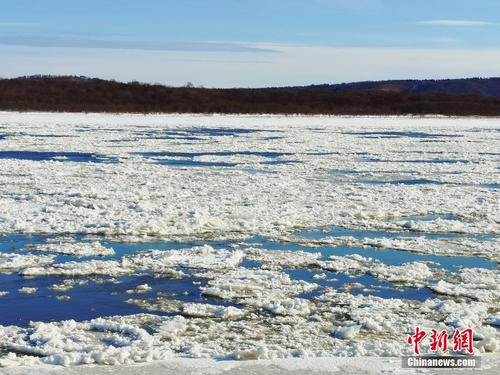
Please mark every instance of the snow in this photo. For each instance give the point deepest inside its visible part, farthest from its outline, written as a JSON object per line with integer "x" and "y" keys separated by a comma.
{"x": 293, "y": 366}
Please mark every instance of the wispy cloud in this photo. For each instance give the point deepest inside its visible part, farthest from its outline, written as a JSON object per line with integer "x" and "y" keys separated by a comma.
{"x": 459, "y": 23}
{"x": 295, "y": 65}
{"x": 69, "y": 42}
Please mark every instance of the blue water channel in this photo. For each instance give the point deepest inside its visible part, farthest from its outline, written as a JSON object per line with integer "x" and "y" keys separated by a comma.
{"x": 104, "y": 298}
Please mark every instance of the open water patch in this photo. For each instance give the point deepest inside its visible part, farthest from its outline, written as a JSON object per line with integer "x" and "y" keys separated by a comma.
{"x": 80, "y": 157}
{"x": 195, "y": 134}
{"x": 402, "y": 134}
{"x": 189, "y": 159}
{"x": 358, "y": 285}
{"x": 417, "y": 161}
{"x": 95, "y": 297}
{"x": 409, "y": 181}
{"x": 391, "y": 256}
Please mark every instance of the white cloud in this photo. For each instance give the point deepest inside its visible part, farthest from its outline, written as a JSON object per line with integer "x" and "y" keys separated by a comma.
{"x": 460, "y": 23}
{"x": 295, "y": 65}
{"x": 71, "y": 42}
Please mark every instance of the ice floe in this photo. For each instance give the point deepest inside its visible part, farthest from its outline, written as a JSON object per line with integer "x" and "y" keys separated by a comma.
{"x": 413, "y": 273}
{"x": 12, "y": 262}
{"x": 271, "y": 259}
{"x": 81, "y": 249}
{"x": 69, "y": 342}
{"x": 189, "y": 309}
{"x": 139, "y": 289}
{"x": 27, "y": 290}
{"x": 420, "y": 244}
{"x": 474, "y": 283}
{"x": 162, "y": 262}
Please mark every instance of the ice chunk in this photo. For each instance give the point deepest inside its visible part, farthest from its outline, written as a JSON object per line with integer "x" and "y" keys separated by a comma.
{"x": 347, "y": 331}
{"x": 139, "y": 289}
{"x": 14, "y": 262}
{"x": 27, "y": 290}
{"x": 76, "y": 249}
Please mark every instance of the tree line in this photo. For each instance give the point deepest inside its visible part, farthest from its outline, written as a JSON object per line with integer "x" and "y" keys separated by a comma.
{"x": 77, "y": 94}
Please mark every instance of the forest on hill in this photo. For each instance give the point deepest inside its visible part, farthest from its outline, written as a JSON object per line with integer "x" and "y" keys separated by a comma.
{"x": 81, "y": 94}
{"x": 471, "y": 86}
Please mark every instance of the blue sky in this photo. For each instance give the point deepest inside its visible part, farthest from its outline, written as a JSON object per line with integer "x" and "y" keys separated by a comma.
{"x": 221, "y": 43}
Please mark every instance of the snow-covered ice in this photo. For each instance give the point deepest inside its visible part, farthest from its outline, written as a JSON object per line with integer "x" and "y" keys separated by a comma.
{"x": 76, "y": 249}
{"x": 231, "y": 195}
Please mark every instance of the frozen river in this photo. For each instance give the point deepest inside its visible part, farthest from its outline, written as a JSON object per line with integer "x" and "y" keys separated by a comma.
{"x": 130, "y": 238}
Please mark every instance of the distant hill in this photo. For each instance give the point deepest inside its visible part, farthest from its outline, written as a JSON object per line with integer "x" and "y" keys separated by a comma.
{"x": 83, "y": 94}
{"x": 473, "y": 86}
